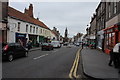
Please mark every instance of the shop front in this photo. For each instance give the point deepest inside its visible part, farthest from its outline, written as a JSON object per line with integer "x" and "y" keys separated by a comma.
{"x": 112, "y": 36}
{"x": 100, "y": 40}
{"x": 33, "y": 39}
{"x": 41, "y": 39}
{"x": 21, "y": 38}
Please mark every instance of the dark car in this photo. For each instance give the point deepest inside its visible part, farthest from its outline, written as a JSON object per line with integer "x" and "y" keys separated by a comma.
{"x": 47, "y": 46}
{"x": 65, "y": 44}
{"x": 13, "y": 50}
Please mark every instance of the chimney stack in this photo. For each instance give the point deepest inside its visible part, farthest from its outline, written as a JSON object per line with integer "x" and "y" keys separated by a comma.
{"x": 29, "y": 11}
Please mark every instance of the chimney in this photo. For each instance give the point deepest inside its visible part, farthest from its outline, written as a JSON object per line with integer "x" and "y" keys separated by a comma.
{"x": 37, "y": 18}
{"x": 31, "y": 10}
{"x": 25, "y": 11}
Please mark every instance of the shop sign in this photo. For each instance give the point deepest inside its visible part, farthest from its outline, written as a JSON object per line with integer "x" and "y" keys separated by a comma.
{"x": 20, "y": 35}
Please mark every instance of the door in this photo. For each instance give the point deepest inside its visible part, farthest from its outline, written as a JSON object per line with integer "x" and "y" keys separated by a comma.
{"x": 18, "y": 50}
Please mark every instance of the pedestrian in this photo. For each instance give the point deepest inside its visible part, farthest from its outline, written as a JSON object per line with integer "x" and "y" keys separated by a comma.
{"x": 116, "y": 52}
{"x": 82, "y": 45}
{"x": 111, "y": 58}
{"x": 29, "y": 45}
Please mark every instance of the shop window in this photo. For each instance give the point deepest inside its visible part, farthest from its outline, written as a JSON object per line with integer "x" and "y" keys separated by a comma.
{"x": 110, "y": 40}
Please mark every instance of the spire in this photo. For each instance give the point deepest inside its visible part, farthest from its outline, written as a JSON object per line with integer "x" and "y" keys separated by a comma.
{"x": 66, "y": 35}
{"x": 66, "y": 32}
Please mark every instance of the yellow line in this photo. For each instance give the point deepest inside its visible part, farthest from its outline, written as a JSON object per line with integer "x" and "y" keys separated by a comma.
{"x": 73, "y": 70}
{"x": 76, "y": 67}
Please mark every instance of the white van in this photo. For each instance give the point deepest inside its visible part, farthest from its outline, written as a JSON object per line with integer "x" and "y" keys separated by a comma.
{"x": 56, "y": 44}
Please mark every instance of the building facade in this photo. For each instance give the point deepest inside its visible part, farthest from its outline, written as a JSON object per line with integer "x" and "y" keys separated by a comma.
{"x": 100, "y": 25}
{"x": 92, "y": 31}
{"x": 24, "y": 27}
{"x": 56, "y": 32}
{"x": 112, "y": 29}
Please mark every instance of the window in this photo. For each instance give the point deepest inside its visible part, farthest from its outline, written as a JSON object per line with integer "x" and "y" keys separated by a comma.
{"x": 30, "y": 28}
{"x": 26, "y": 28}
{"x": 37, "y": 30}
{"x": 18, "y": 26}
{"x": 115, "y": 7}
{"x": 109, "y": 10}
{"x": 33, "y": 29}
{"x": 110, "y": 40}
{"x": 41, "y": 30}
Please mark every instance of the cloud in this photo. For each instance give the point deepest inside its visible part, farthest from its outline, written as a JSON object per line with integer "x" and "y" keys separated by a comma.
{"x": 73, "y": 15}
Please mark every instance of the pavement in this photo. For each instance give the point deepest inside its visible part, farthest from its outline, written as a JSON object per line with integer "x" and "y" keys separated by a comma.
{"x": 95, "y": 65}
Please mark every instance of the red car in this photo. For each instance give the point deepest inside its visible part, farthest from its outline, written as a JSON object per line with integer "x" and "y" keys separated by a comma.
{"x": 47, "y": 46}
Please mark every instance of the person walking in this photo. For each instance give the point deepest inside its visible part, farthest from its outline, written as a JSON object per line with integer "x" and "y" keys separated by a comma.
{"x": 116, "y": 52}
{"x": 111, "y": 58}
{"x": 29, "y": 45}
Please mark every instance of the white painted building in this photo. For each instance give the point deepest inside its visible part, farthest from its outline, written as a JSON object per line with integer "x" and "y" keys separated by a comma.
{"x": 24, "y": 27}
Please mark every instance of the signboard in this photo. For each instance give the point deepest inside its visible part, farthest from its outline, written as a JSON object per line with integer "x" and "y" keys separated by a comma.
{"x": 20, "y": 35}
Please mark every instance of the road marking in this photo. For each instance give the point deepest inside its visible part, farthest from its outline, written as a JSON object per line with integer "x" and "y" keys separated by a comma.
{"x": 40, "y": 56}
{"x": 76, "y": 67}
{"x": 73, "y": 71}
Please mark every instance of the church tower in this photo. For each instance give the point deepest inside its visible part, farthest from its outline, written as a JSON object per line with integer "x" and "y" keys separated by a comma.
{"x": 66, "y": 35}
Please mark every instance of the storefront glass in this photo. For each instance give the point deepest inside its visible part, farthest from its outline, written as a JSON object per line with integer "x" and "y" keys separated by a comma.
{"x": 21, "y": 38}
{"x": 110, "y": 40}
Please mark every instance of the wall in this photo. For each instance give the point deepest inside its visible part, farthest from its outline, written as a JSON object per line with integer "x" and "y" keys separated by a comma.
{"x": 13, "y": 25}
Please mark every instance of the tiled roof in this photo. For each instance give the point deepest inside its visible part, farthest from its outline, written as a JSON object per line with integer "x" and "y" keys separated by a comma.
{"x": 24, "y": 17}
{"x": 53, "y": 32}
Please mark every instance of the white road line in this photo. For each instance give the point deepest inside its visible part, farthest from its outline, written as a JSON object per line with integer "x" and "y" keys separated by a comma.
{"x": 40, "y": 56}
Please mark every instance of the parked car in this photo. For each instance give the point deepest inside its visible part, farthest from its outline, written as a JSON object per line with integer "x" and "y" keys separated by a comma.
{"x": 77, "y": 44}
{"x": 47, "y": 46}
{"x": 56, "y": 44}
{"x": 65, "y": 44}
{"x": 13, "y": 50}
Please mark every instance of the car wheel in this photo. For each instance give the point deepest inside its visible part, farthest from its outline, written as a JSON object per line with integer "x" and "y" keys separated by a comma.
{"x": 10, "y": 57}
{"x": 26, "y": 54}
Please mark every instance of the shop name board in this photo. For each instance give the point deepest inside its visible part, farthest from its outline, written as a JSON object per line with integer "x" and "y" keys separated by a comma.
{"x": 20, "y": 35}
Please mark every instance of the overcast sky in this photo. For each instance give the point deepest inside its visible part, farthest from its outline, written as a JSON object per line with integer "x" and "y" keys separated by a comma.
{"x": 73, "y": 15}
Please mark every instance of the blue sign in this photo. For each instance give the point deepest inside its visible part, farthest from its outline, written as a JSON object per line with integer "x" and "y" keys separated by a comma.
{"x": 20, "y": 35}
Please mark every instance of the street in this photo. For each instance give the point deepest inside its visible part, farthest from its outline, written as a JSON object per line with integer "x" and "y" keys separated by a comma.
{"x": 42, "y": 64}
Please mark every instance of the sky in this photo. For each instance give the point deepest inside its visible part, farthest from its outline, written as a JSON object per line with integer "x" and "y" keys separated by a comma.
{"x": 73, "y": 15}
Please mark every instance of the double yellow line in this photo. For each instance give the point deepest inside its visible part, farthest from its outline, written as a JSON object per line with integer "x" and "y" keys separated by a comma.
{"x": 73, "y": 71}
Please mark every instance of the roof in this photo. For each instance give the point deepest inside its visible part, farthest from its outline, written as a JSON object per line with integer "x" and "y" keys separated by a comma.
{"x": 24, "y": 17}
{"x": 54, "y": 33}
